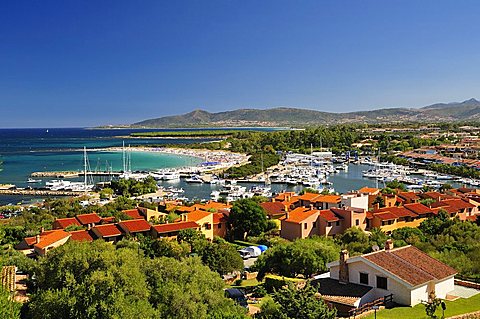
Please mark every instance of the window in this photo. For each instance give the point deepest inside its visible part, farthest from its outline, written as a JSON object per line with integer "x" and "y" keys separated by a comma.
{"x": 364, "y": 278}
{"x": 357, "y": 222}
{"x": 305, "y": 226}
{"x": 314, "y": 224}
{"x": 219, "y": 226}
{"x": 337, "y": 223}
{"x": 382, "y": 282}
{"x": 208, "y": 226}
{"x": 329, "y": 224}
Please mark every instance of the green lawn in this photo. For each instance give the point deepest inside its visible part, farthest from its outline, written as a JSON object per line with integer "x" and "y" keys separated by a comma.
{"x": 247, "y": 283}
{"x": 457, "y": 307}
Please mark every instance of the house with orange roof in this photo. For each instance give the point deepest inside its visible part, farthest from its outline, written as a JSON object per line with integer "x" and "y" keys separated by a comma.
{"x": 371, "y": 192}
{"x": 409, "y": 197}
{"x": 135, "y": 227}
{"x": 391, "y": 218}
{"x": 202, "y": 218}
{"x": 49, "y": 241}
{"x": 274, "y": 209}
{"x": 406, "y": 273}
{"x": 144, "y": 213}
{"x": 108, "y": 232}
{"x": 220, "y": 221}
{"x": 89, "y": 220}
{"x": 300, "y": 223}
{"x": 457, "y": 207}
{"x": 43, "y": 242}
{"x": 82, "y": 235}
{"x": 62, "y": 223}
{"x": 171, "y": 230}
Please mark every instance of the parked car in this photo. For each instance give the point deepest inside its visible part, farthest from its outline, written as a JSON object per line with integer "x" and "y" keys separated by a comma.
{"x": 245, "y": 253}
{"x": 237, "y": 295}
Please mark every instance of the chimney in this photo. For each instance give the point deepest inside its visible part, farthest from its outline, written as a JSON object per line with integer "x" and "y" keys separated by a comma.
{"x": 42, "y": 230}
{"x": 89, "y": 227}
{"x": 287, "y": 215}
{"x": 285, "y": 208}
{"x": 343, "y": 267}
{"x": 311, "y": 206}
{"x": 389, "y": 245}
{"x": 37, "y": 239}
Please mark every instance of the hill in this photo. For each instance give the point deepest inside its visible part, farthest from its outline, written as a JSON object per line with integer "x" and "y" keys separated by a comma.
{"x": 283, "y": 116}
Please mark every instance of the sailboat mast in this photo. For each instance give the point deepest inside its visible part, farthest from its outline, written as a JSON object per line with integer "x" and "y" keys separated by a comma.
{"x": 123, "y": 156}
{"x": 85, "y": 168}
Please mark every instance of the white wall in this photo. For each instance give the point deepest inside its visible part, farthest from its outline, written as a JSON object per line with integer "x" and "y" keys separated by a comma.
{"x": 355, "y": 201}
{"x": 442, "y": 288}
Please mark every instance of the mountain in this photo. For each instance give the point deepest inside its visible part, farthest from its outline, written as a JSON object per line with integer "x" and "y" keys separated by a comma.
{"x": 284, "y": 116}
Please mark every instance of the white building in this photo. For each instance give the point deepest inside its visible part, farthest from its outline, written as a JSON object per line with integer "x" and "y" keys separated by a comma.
{"x": 406, "y": 272}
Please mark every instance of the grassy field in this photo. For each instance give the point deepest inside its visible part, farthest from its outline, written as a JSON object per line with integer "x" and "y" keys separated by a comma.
{"x": 457, "y": 307}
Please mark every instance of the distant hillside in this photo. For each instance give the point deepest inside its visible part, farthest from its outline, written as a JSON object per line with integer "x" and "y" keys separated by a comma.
{"x": 283, "y": 116}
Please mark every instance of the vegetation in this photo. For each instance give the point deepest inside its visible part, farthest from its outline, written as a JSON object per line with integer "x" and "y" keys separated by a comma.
{"x": 247, "y": 218}
{"x": 302, "y": 257}
{"x": 296, "y": 303}
{"x": 193, "y": 133}
{"x": 258, "y": 161}
{"x": 133, "y": 187}
{"x": 98, "y": 280}
{"x": 9, "y": 309}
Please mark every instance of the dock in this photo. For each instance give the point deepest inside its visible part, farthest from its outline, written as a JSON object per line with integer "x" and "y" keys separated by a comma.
{"x": 38, "y": 192}
{"x": 71, "y": 174}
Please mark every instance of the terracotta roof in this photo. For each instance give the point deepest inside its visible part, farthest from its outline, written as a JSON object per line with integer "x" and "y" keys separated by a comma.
{"x": 219, "y": 218}
{"x": 135, "y": 225}
{"x": 299, "y": 214}
{"x": 51, "y": 238}
{"x": 369, "y": 190}
{"x": 334, "y": 199}
{"x": 216, "y": 205}
{"x": 273, "y": 208}
{"x": 397, "y": 211}
{"x": 65, "y": 222}
{"x": 472, "y": 218}
{"x": 458, "y": 204}
{"x": 333, "y": 290}
{"x": 133, "y": 213}
{"x": 86, "y": 219}
{"x": 81, "y": 235}
{"x": 411, "y": 265}
{"x": 196, "y": 215}
{"x": 329, "y": 215}
{"x": 109, "y": 230}
{"x": 283, "y": 196}
{"x": 385, "y": 216}
{"x": 108, "y": 220}
{"x": 418, "y": 208}
{"x": 166, "y": 228}
{"x": 412, "y": 196}
{"x": 309, "y": 196}
{"x": 30, "y": 241}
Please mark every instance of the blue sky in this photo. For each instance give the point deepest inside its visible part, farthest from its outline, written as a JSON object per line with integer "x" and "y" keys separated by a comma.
{"x": 85, "y": 63}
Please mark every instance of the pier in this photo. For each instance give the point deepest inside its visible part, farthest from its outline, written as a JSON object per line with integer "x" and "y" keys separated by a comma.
{"x": 71, "y": 174}
{"x": 38, "y": 192}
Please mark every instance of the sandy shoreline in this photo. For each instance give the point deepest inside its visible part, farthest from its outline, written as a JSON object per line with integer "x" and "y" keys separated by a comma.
{"x": 222, "y": 157}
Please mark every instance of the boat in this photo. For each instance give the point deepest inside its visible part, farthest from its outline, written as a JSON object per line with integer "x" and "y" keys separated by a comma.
{"x": 31, "y": 180}
{"x": 194, "y": 179}
{"x": 170, "y": 176}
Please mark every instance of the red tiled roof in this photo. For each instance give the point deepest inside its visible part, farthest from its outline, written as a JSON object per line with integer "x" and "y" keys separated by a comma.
{"x": 166, "y": 228}
{"x": 81, "y": 235}
{"x": 109, "y": 230}
{"x": 329, "y": 215}
{"x": 385, "y": 216}
{"x": 65, "y": 222}
{"x": 411, "y": 265}
{"x": 133, "y": 213}
{"x": 108, "y": 220}
{"x": 51, "y": 238}
{"x": 31, "y": 240}
{"x": 334, "y": 199}
{"x": 418, "y": 208}
{"x": 397, "y": 211}
{"x": 309, "y": 196}
{"x": 135, "y": 225}
{"x": 368, "y": 190}
{"x": 86, "y": 219}
{"x": 219, "y": 218}
{"x": 196, "y": 215}
{"x": 273, "y": 208}
{"x": 299, "y": 214}
{"x": 472, "y": 218}
{"x": 409, "y": 195}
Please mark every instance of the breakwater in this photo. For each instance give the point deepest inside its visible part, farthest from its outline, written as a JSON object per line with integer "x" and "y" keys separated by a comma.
{"x": 71, "y": 174}
{"x": 38, "y": 192}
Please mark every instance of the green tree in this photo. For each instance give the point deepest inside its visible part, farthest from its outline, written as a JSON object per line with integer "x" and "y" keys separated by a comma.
{"x": 222, "y": 258}
{"x": 9, "y": 309}
{"x": 106, "y": 193}
{"x": 247, "y": 218}
{"x": 297, "y": 303}
{"x": 301, "y": 257}
{"x": 187, "y": 289}
{"x": 354, "y": 240}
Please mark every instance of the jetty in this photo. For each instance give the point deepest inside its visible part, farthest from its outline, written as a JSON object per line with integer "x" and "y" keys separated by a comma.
{"x": 71, "y": 174}
{"x": 38, "y": 192}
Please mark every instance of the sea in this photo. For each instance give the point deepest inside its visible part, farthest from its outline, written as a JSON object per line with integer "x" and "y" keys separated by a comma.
{"x": 23, "y": 151}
